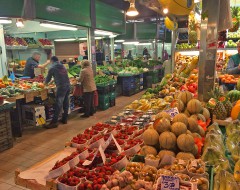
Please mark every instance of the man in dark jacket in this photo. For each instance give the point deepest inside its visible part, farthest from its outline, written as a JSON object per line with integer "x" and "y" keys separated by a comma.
{"x": 60, "y": 75}
{"x": 33, "y": 62}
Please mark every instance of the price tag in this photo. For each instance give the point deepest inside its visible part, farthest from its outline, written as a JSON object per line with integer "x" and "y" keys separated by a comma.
{"x": 116, "y": 143}
{"x": 172, "y": 112}
{"x": 88, "y": 162}
{"x": 44, "y": 94}
{"x": 29, "y": 96}
{"x": 102, "y": 154}
{"x": 169, "y": 183}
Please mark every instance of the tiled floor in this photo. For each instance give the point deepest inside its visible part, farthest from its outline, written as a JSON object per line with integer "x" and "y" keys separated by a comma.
{"x": 38, "y": 144}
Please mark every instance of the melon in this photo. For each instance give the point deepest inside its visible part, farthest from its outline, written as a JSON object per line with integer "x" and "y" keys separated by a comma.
{"x": 167, "y": 140}
{"x": 198, "y": 117}
{"x": 185, "y": 142}
{"x": 180, "y": 118}
{"x": 163, "y": 115}
{"x": 185, "y": 97}
{"x": 206, "y": 113}
{"x": 166, "y": 152}
{"x": 189, "y": 132}
{"x": 145, "y": 150}
{"x": 162, "y": 125}
{"x": 196, "y": 135}
{"x": 193, "y": 125}
{"x": 179, "y": 104}
{"x": 178, "y": 128}
{"x": 150, "y": 136}
{"x": 194, "y": 106}
{"x": 194, "y": 151}
{"x": 185, "y": 156}
{"x": 187, "y": 113}
{"x": 201, "y": 131}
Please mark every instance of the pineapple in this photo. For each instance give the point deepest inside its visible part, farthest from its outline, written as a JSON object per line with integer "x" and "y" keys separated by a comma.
{"x": 192, "y": 30}
{"x": 235, "y": 19}
{"x": 218, "y": 95}
{"x": 220, "y": 111}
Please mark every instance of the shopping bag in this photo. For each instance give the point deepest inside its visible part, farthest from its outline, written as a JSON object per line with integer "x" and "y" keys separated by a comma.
{"x": 78, "y": 90}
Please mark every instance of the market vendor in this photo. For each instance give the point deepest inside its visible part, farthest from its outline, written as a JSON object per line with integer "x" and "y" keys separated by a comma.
{"x": 60, "y": 75}
{"x": 33, "y": 62}
{"x": 233, "y": 66}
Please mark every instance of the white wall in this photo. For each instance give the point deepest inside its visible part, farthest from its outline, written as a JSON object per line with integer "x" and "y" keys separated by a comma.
{"x": 3, "y": 56}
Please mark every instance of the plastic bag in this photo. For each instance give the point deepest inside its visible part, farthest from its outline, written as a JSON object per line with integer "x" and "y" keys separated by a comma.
{"x": 213, "y": 140}
{"x": 213, "y": 156}
{"x": 214, "y": 129}
{"x": 233, "y": 140}
{"x": 232, "y": 128}
{"x": 236, "y": 152}
{"x": 224, "y": 180}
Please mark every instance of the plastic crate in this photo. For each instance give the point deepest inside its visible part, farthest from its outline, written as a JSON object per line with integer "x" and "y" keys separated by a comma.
{"x": 112, "y": 87}
{"x": 103, "y": 106}
{"x": 5, "y": 144}
{"x": 112, "y": 95}
{"x": 112, "y": 102}
{"x": 5, "y": 132}
{"x": 129, "y": 92}
{"x": 103, "y": 89}
{"x": 130, "y": 79}
{"x": 103, "y": 98}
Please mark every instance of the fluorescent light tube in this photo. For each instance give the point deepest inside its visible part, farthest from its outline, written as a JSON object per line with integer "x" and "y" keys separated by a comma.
{"x": 58, "y": 26}
{"x": 119, "y": 41}
{"x": 65, "y": 40}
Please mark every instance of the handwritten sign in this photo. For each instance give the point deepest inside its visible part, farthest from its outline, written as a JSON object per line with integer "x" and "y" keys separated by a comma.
{"x": 172, "y": 112}
{"x": 169, "y": 183}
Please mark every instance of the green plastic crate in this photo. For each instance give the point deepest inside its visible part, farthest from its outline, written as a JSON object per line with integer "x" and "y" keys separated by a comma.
{"x": 102, "y": 99}
{"x": 104, "y": 106}
{"x": 112, "y": 95}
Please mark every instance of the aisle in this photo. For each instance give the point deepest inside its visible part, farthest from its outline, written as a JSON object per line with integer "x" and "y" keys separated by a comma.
{"x": 38, "y": 144}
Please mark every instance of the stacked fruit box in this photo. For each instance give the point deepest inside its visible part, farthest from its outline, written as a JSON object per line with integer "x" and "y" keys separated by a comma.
{"x": 5, "y": 131}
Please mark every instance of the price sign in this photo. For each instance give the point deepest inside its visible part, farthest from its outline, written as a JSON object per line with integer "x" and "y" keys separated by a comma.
{"x": 172, "y": 112}
{"x": 44, "y": 94}
{"x": 29, "y": 96}
{"x": 169, "y": 183}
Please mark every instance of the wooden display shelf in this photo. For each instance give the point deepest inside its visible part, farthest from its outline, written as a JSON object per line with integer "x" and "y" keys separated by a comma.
{"x": 13, "y": 99}
{"x": 225, "y": 122}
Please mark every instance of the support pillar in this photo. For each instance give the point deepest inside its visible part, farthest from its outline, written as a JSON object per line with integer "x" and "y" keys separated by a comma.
{"x": 3, "y": 54}
{"x": 208, "y": 48}
{"x": 91, "y": 37}
{"x": 112, "y": 50}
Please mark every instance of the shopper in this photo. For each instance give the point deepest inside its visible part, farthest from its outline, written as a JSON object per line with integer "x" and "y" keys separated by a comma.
{"x": 33, "y": 62}
{"x": 89, "y": 87}
{"x": 167, "y": 65}
{"x": 129, "y": 56}
{"x": 60, "y": 76}
{"x": 64, "y": 61}
{"x": 233, "y": 66}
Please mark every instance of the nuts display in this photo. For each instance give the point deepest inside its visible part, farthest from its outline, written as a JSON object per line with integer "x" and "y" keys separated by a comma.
{"x": 202, "y": 183}
{"x": 183, "y": 177}
{"x": 148, "y": 173}
{"x": 134, "y": 168}
{"x": 196, "y": 166}
{"x": 178, "y": 165}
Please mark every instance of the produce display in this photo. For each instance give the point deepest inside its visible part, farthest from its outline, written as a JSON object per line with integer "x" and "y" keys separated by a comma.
{"x": 15, "y": 42}
{"x": 45, "y": 43}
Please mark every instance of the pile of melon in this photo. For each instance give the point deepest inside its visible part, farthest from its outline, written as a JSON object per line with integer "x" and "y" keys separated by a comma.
{"x": 176, "y": 135}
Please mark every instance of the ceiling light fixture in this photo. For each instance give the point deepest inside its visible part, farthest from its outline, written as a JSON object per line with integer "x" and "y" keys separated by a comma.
{"x": 58, "y": 26}
{"x": 19, "y": 23}
{"x": 165, "y": 11}
{"x": 5, "y": 21}
{"x": 112, "y": 36}
{"x": 104, "y": 33}
{"x": 132, "y": 11}
{"x": 65, "y": 40}
{"x": 119, "y": 41}
{"x": 130, "y": 43}
{"x": 143, "y": 44}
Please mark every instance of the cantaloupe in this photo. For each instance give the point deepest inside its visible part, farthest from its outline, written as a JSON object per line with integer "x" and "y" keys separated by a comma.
{"x": 185, "y": 142}
{"x": 189, "y": 132}
{"x": 187, "y": 113}
{"x": 185, "y": 156}
{"x": 196, "y": 135}
{"x": 194, "y": 106}
{"x": 185, "y": 97}
{"x": 179, "y": 105}
{"x": 150, "y": 136}
{"x": 162, "y": 125}
{"x": 206, "y": 113}
{"x": 145, "y": 150}
{"x": 198, "y": 117}
{"x": 194, "y": 151}
{"x": 201, "y": 131}
{"x": 162, "y": 153}
{"x": 167, "y": 140}
{"x": 180, "y": 118}
{"x": 178, "y": 128}
{"x": 163, "y": 115}
{"x": 193, "y": 125}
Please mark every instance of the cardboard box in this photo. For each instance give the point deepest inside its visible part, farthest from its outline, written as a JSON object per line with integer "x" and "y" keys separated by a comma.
{"x": 34, "y": 115}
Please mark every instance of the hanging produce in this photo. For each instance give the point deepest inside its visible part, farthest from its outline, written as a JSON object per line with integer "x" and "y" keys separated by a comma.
{"x": 192, "y": 28}
{"x": 235, "y": 19}
{"x": 171, "y": 25}
{"x": 178, "y": 7}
